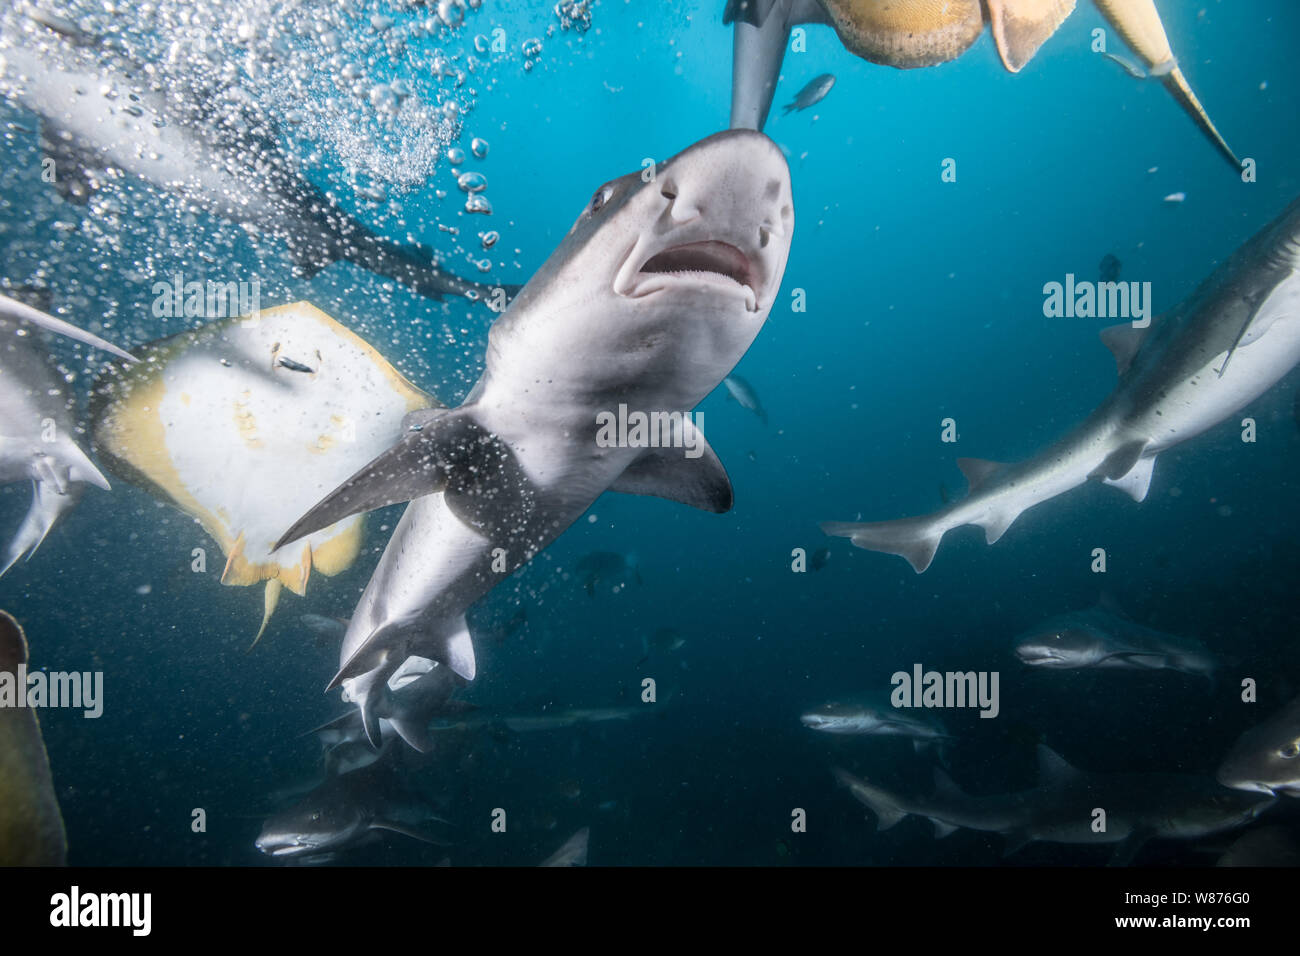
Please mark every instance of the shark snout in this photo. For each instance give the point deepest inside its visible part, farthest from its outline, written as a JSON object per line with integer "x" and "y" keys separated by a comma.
{"x": 723, "y": 225}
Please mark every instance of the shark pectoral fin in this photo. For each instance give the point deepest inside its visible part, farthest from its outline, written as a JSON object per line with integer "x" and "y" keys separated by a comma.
{"x": 942, "y": 829}
{"x": 700, "y": 482}
{"x": 1127, "y": 850}
{"x": 270, "y": 598}
{"x": 1137, "y": 482}
{"x": 1121, "y": 461}
{"x": 915, "y": 539}
{"x": 458, "y": 652}
{"x": 22, "y": 312}
{"x": 977, "y": 471}
{"x": 1123, "y": 341}
{"x": 406, "y": 830}
{"x": 1020, "y": 27}
{"x": 416, "y": 466}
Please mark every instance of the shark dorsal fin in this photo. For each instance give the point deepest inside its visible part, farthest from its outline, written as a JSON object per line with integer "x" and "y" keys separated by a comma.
{"x": 700, "y": 482}
{"x": 944, "y": 786}
{"x": 977, "y": 471}
{"x": 1108, "y": 603}
{"x": 1123, "y": 341}
{"x": 1053, "y": 770}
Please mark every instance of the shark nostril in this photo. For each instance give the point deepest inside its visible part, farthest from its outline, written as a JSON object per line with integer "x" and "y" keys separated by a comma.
{"x": 669, "y": 191}
{"x": 764, "y": 236}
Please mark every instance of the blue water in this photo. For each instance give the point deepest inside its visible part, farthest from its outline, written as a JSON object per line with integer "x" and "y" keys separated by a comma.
{"x": 924, "y": 301}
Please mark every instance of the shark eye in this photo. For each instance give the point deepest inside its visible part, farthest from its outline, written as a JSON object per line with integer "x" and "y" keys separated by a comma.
{"x": 316, "y": 815}
{"x": 603, "y": 195}
{"x": 1290, "y": 751}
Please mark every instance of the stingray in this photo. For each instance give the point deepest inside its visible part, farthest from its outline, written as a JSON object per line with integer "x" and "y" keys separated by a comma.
{"x": 31, "y": 824}
{"x": 908, "y": 34}
{"x": 247, "y": 422}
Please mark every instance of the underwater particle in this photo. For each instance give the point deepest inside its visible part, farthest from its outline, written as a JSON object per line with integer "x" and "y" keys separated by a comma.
{"x": 484, "y": 265}
{"x": 381, "y": 22}
{"x": 482, "y": 44}
{"x": 1176, "y": 197}
{"x": 455, "y": 155}
{"x": 592, "y": 519}
{"x": 472, "y": 182}
{"x": 479, "y": 147}
{"x": 531, "y": 48}
{"x": 478, "y": 203}
{"x": 489, "y": 239}
{"x": 144, "y": 589}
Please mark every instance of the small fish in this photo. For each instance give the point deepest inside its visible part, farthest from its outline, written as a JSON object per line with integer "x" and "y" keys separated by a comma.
{"x": 665, "y": 640}
{"x": 743, "y": 393}
{"x": 293, "y": 366}
{"x": 1131, "y": 68}
{"x": 812, "y": 94}
{"x": 819, "y": 558}
{"x": 1109, "y": 268}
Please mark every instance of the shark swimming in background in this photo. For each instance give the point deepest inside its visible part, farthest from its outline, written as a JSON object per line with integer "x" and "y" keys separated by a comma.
{"x": 1103, "y": 638}
{"x": 346, "y": 811}
{"x": 1266, "y": 758}
{"x": 208, "y": 143}
{"x": 908, "y": 34}
{"x": 1217, "y": 351}
{"x": 1138, "y": 806}
{"x": 647, "y": 304}
{"x": 37, "y": 424}
{"x": 877, "y": 719}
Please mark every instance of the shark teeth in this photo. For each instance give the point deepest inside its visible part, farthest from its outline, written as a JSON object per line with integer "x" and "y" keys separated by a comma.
{"x": 710, "y": 261}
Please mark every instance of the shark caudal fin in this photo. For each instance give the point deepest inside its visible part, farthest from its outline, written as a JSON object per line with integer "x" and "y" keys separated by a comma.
{"x": 916, "y": 539}
{"x": 884, "y": 805}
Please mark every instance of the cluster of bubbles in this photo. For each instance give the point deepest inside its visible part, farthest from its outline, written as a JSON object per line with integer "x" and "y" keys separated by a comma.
{"x": 574, "y": 15}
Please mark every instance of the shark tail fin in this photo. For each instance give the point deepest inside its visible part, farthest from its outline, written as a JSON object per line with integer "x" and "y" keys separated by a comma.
{"x": 882, "y": 804}
{"x": 916, "y": 539}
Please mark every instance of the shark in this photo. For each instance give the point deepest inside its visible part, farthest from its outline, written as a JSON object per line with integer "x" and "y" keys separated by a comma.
{"x": 652, "y": 298}
{"x": 573, "y": 852}
{"x": 205, "y": 141}
{"x": 349, "y": 810}
{"x": 1214, "y": 353}
{"x": 1266, "y": 758}
{"x": 879, "y": 719}
{"x": 37, "y": 424}
{"x": 1062, "y": 808}
{"x": 1103, "y": 638}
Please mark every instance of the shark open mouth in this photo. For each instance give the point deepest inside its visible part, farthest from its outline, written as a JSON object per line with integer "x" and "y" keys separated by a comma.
{"x": 712, "y": 261}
